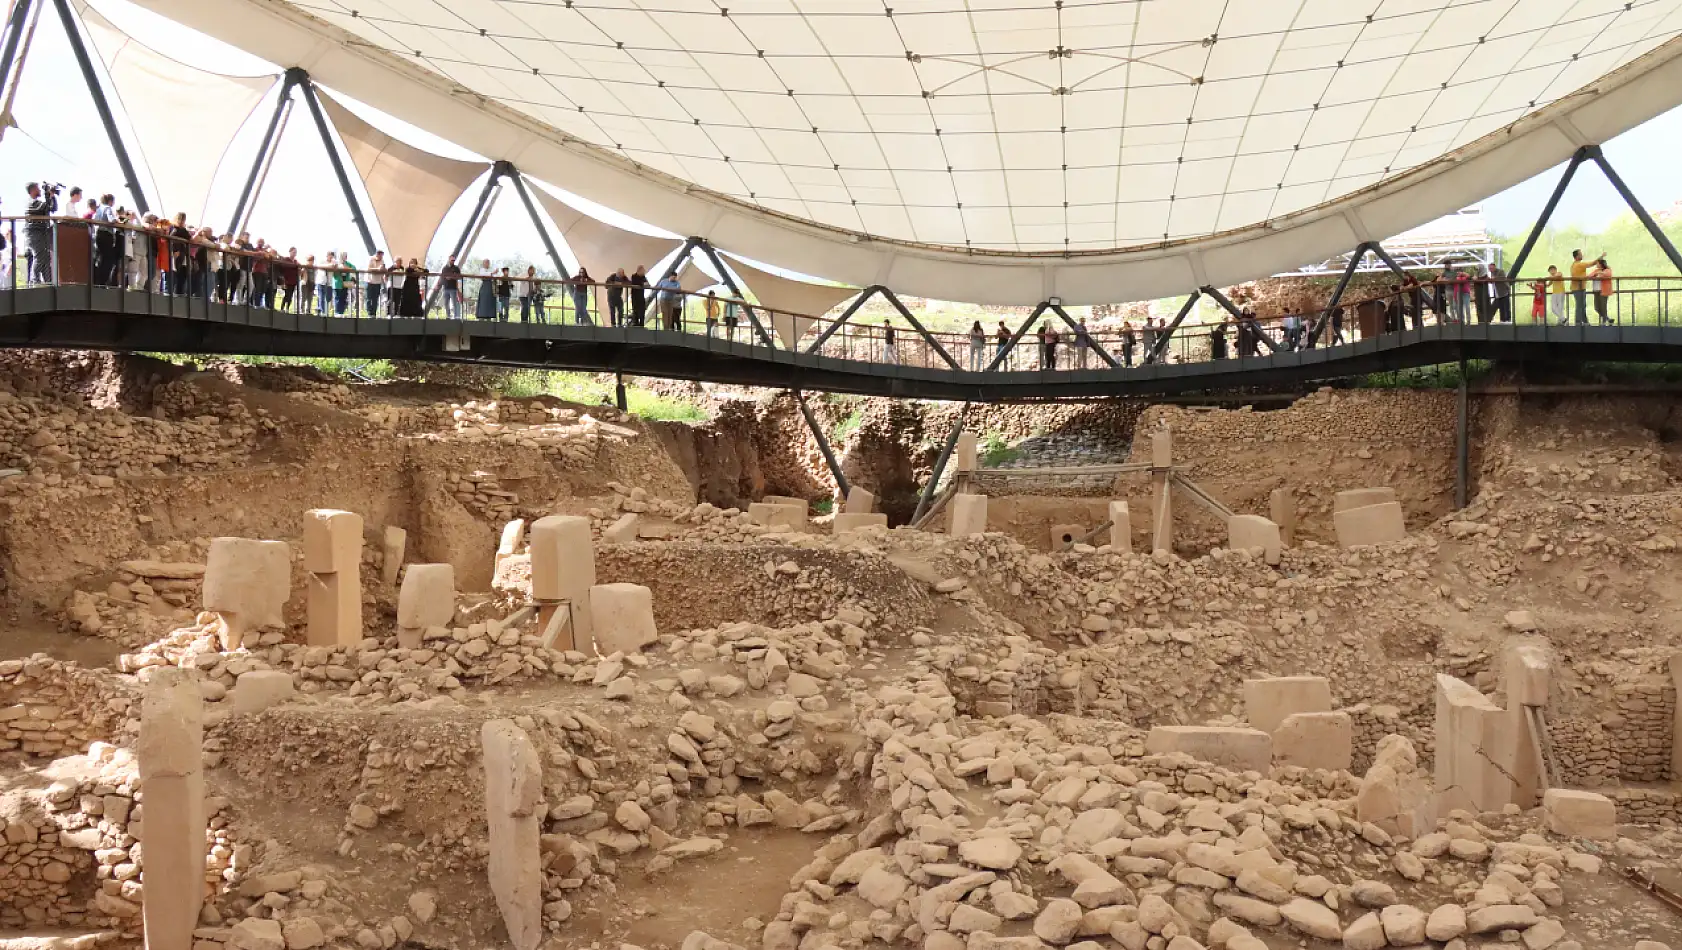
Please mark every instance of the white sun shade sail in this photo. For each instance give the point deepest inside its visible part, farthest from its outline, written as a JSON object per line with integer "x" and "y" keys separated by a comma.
{"x": 183, "y": 118}
{"x": 1137, "y": 148}
{"x": 412, "y": 190}
{"x": 600, "y": 247}
{"x": 794, "y": 302}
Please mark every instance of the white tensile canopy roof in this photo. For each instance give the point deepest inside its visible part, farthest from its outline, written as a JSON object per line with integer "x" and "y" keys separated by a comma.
{"x": 1002, "y": 151}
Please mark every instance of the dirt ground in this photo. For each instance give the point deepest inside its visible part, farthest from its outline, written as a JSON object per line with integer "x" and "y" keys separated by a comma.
{"x": 890, "y": 738}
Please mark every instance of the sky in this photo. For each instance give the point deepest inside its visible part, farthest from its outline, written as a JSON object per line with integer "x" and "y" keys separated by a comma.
{"x": 59, "y": 137}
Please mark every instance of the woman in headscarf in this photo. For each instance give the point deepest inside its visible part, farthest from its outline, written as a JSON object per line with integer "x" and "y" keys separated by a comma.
{"x": 412, "y": 303}
{"x": 485, "y": 308}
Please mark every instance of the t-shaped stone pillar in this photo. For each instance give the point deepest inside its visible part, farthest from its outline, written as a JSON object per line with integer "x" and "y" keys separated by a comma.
{"x": 1121, "y": 528}
{"x": 859, "y": 501}
{"x": 170, "y": 754}
{"x": 247, "y": 582}
{"x": 426, "y": 599}
{"x": 969, "y": 515}
{"x": 1282, "y": 507}
{"x": 333, "y": 558}
{"x": 514, "y": 811}
{"x": 1162, "y": 496}
{"x": 966, "y": 452}
{"x": 563, "y": 568}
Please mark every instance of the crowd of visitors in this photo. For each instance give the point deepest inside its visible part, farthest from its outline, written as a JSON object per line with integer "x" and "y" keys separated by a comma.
{"x": 170, "y": 256}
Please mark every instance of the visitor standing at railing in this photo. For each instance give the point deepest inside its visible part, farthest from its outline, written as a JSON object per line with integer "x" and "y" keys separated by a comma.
{"x": 581, "y": 297}
{"x": 374, "y": 283}
{"x": 730, "y": 319}
{"x": 412, "y": 304}
{"x": 178, "y": 236}
{"x": 890, "y": 345}
{"x": 1127, "y": 343}
{"x": 1336, "y": 320}
{"x": 639, "y": 297}
{"x": 977, "y": 346}
{"x": 1539, "y": 300}
{"x": 504, "y": 293}
{"x": 451, "y": 288}
{"x": 1002, "y": 345}
{"x": 1217, "y": 341}
{"x": 324, "y": 284}
{"x": 670, "y": 300}
{"x": 709, "y": 308}
{"x": 289, "y": 279}
{"x": 1083, "y": 342}
{"x": 484, "y": 303}
{"x": 105, "y": 255}
{"x": 1502, "y": 292}
{"x": 1580, "y": 271}
{"x": 1602, "y": 274}
{"x": 522, "y": 291}
{"x": 306, "y": 285}
{"x": 616, "y": 283}
{"x": 1556, "y": 294}
{"x": 344, "y": 278}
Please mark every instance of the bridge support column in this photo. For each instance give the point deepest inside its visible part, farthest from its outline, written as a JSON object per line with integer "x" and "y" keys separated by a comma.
{"x": 940, "y": 463}
{"x": 1462, "y": 453}
{"x": 266, "y": 151}
{"x": 308, "y": 89}
{"x": 841, "y": 486}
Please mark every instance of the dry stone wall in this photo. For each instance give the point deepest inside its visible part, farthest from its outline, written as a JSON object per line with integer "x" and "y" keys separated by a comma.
{"x": 50, "y": 709}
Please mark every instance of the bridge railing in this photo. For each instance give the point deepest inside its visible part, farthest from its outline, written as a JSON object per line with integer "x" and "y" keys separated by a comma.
{"x": 174, "y": 261}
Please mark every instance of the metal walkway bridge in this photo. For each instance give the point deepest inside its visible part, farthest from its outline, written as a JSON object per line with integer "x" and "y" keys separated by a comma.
{"x": 79, "y": 316}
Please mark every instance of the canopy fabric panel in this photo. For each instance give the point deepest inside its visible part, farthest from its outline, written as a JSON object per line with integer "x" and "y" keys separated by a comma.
{"x": 795, "y": 304}
{"x": 1185, "y": 144}
{"x": 183, "y": 117}
{"x": 600, "y": 247}
{"x": 412, "y": 190}
{"x": 693, "y": 279}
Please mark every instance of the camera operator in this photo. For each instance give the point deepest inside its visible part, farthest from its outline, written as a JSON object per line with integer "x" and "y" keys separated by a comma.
{"x": 38, "y": 231}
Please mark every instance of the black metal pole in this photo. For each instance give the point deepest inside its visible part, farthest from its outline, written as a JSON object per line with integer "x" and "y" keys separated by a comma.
{"x": 1581, "y": 155}
{"x": 248, "y": 194}
{"x": 509, "y": 171}
{"x": 706, "y": 248}
{"x": 940, "y": 464}
{"x": 1640, "y": 212}
{"x": 73, "y": 33}
{"x": 925, "y": 334}
{"x": 1166, "y": 334}
{"x": 846, "y": 315}
{"x": 307, "y": 86}
{"x": 823, "y": 444}
{"x": 1103, "y": 354}
{"x": 999, "y": 358}
{"x": 677, "y": 262}
{"x": 1462, "y": 454}
{"x": 619, "y": 391}
{"x": 1337, "y": 294}
{"x": 16, "y": 25}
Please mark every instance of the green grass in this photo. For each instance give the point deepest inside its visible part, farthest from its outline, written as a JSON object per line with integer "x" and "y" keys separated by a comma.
{"x": 823, "y": 506}
{"x": 846, "y": 427}
{"x": 587, "y": 389}
{"x": 1440, "y": 376}
{"x": 336, "y": 366}
{"x": 995, "y": 451}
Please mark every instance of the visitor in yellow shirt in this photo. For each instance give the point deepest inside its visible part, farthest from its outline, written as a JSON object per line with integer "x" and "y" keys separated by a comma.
{"x": 1602, "y": 274}
{"x": 1580, "y": 270}
{"x": 1556, "y": 294}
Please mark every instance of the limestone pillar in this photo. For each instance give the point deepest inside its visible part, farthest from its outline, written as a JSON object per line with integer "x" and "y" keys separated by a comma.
{"x": 966, "y": 454}
{"x": 1162, "y": 497}
{"x": 393, "y": 542}
{"x": 1282, "y": 506}
{"x": 623, "y": 615}
{"x": 514, "y": 809}
{"x": 247, "y": 583}
{"x": 969, "y": 515}
{"x": 1369, "y": 524}
{"x": 513, "y": 535}
{"x": 333, "y": 558}
{"x": 563, "y": 568}
{"x": 1268, "y": 701}
{"x": 426, "y": 599}
{"x": 1121, "y": 528}
{"x": 859, "y": 501}
{"x": 1527, "y": 676}
{"x": 170, "y": 753}
{"x": 1249, "y": 532}
{"x": 1471, "y": 738}
{"x": 848, "y": 521}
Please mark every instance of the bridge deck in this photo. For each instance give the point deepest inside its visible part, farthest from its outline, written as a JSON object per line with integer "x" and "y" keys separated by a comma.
{"x": 101, "y": 318}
